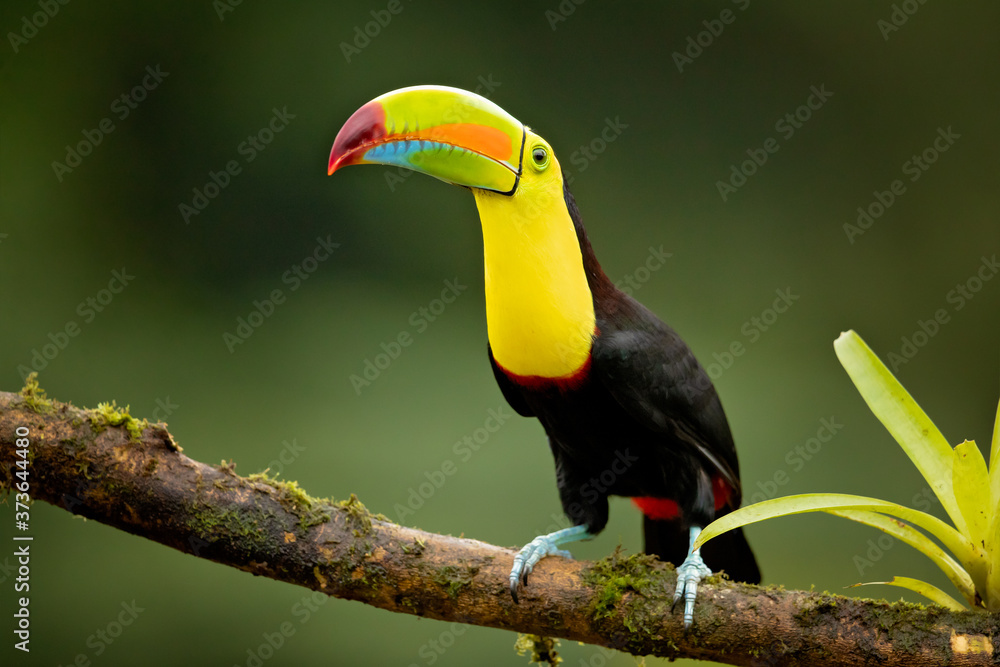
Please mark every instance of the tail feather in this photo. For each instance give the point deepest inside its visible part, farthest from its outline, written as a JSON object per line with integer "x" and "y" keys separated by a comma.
{"x": 730, "y": 552}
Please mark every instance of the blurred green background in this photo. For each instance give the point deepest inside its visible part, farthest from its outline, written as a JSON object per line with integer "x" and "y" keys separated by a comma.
{"x": 283, "y": 398}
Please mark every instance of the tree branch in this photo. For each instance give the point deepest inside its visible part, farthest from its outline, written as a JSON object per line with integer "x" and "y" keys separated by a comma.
{"x": 107, "y": 466}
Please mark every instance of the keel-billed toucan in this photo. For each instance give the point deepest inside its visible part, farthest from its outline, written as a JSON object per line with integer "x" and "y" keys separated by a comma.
{"x": 628, "y": 409}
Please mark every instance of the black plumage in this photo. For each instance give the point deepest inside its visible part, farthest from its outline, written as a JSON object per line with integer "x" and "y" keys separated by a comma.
{"x": 641, "y": 419}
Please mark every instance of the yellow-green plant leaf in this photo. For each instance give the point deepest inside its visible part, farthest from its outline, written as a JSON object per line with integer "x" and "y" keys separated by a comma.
{"x": 929, "y": 591}
{"x": 903, "y": 418}
{"x": 994, "y": 453}
{"x": 992, "y": 597}
{"x": 910, "y": 535}
{"x": 995, "y": 471}
{"x": 993, "y": 536}
{"x": 971, "y": 558}
{"x": 971, "y": 483}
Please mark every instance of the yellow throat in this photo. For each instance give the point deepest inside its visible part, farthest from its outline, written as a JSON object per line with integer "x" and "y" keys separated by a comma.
{"x": 539, "y": 309}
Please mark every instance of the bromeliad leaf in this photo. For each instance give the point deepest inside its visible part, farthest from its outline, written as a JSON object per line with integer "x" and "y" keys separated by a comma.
{"x": 903, "y": 418}
{"x": 957, "y": 543}
{"x": 910, "y": 535}
{"x": 929, "y": 591}
{"x": 993, "y": 535}
{"x": 995, "y": 463}
{"x": 967, "y": 489}
{"x": 971, "y": 483}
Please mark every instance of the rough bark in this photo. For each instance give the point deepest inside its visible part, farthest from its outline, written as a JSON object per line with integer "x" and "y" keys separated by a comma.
{"x": 109, "y": 467}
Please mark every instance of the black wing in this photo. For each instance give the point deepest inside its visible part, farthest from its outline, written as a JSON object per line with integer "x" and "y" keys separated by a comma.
{"x": 655, "y": 377}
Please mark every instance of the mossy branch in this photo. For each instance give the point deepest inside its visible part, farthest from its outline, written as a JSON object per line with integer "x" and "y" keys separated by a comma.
{"x": 107, "y": 466}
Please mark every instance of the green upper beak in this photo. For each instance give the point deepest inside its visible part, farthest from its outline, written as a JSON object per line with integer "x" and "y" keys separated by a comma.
{"x": 449, "y": 133}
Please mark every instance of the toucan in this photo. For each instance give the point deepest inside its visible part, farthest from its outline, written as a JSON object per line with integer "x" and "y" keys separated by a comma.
{"x": 627, "y": 408}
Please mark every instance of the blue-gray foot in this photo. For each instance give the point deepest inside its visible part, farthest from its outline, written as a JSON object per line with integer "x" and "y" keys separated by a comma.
{"x": 539, "y": 548}
{"x": 689, "y": 575}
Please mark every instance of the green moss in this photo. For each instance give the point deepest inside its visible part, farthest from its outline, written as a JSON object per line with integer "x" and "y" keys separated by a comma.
{"x": 199, "y": 482}
{"x": 414, "y": 549}
{"x": 289, "y": 492}
{"x": 109, "y": 414}
{"x": 360, "y": 549}
{"x": 211, "y": 524}
{"x": 313, "y": 517}
{"x": 542, "y": 649}
{"x": 34, "y": 396}
{"x": 359, "y": 569}
{"x": 357, "y": 514}
{"x": 814, "y": 609}
{"x": 454, "y": 578}
{"x": 311, "y": 511}
{"x": 82, "y": 467}
{"x": 73, "y": 444}
{"x": 374, "y": 576}
{"x": 616, "y": 575}
{"x": 116, "y": 489}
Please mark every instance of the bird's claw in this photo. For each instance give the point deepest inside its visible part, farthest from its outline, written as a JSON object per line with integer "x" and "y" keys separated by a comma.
{"x": 528, "y": 556}
{"x": 689, "y": 575}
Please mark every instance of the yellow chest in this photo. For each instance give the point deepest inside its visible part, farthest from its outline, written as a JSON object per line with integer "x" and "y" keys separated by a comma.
{"x": 539, "y": 309}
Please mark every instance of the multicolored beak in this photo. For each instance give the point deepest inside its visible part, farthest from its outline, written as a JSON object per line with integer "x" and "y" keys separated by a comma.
{"x": 449, "y": 133}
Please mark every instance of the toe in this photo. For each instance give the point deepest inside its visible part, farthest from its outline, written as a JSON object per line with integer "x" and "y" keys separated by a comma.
{"x": 679, "y": 591}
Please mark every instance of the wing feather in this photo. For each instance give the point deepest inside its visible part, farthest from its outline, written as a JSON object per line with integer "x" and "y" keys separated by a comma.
{"x": 656, "y": 378}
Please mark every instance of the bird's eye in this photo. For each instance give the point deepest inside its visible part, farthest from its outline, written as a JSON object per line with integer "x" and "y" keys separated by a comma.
{"x": 540, "y": 156}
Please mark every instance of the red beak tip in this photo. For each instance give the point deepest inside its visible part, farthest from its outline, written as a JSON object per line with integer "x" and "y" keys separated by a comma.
{"x": 333, "y": 164}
